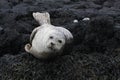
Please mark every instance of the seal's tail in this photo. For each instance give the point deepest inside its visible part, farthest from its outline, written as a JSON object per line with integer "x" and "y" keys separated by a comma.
{"x": 42, "y": 18}
{"x": 27, "y": 47}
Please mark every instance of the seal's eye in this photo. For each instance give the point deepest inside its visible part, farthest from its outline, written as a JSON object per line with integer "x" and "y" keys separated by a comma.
{"x": 51, "y": 37}
{"x": 59, "y": 41}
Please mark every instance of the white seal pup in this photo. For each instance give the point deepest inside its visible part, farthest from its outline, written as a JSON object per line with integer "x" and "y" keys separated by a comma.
{"x": 47, "y": 40}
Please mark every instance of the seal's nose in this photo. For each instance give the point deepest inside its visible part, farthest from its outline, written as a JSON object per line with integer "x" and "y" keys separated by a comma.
{"x": 52, "y": 44}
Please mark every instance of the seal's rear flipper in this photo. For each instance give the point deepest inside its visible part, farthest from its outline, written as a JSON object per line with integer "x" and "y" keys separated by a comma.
{"x": 42, "y": 18}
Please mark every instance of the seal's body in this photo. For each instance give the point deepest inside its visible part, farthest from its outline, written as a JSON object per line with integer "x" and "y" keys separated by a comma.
{"x": 47, "y": 40}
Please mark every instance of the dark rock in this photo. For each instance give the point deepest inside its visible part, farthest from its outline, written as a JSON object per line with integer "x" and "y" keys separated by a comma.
{"x": 28, "y": 1}
{"x": 24, "y": 27}
{"x": 117, "y": 34}
{"x": 9, "y": 42}
{"x": 108, "y": 3}
{"x": 117, "y": 19}
{"x": 109, "y": 11}
{"x": 117, "y": 4}
{"x": 24, "y": 38}
{"x": 14, "y": 2}
{"x": 100, "y": 2}
{"x": 21, "y": 9}
{"x": 4, "y": 4}
{"x": 67, "y": 1}
{"x": 98, "y": 33}
{"x": 8, "y": 18}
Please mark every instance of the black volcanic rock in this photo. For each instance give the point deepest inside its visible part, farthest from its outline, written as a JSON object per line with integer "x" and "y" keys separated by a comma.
{"x": 20, "y": 8}
{"x": 4, "y": 4}
{"x": 9, "y": 42}
{"x": 99, "y": 32}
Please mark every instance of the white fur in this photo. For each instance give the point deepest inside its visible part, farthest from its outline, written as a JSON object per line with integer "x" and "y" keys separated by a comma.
{"x": 75, "y": 21}
{"x": 86, "y": 19}
{"x": 46, "y": 35}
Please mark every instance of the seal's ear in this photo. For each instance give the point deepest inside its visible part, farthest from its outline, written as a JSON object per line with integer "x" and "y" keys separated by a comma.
{"x": 42, "y": 18}
{"x": 68, "y": 35}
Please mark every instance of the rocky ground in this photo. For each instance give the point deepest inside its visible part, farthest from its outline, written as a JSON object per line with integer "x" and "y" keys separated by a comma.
{"x": 95, "y": 52}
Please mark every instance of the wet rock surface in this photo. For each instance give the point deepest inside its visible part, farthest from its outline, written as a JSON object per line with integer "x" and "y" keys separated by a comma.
{"x": 95, "y": 52}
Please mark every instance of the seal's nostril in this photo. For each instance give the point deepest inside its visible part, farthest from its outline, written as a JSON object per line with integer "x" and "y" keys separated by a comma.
{"x": 52, "y": 44}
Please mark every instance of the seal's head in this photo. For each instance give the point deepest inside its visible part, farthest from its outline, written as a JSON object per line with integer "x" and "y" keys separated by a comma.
{"x": 55, "y": 41}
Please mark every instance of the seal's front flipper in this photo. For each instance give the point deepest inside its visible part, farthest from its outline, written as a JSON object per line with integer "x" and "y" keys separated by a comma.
{"x": 42, "y": 18}
{"x": 68, "y": 35}
{"x": 27, "y": 48}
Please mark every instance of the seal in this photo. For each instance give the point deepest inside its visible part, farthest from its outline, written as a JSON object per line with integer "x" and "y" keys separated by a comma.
{"x": 47, "y": 40}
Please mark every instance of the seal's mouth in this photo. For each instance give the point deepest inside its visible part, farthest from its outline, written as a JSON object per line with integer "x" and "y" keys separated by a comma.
{"x": 53, "y": 49}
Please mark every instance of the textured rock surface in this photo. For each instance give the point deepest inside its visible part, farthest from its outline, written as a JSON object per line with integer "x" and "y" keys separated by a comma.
{"x": 95, "y": 52}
